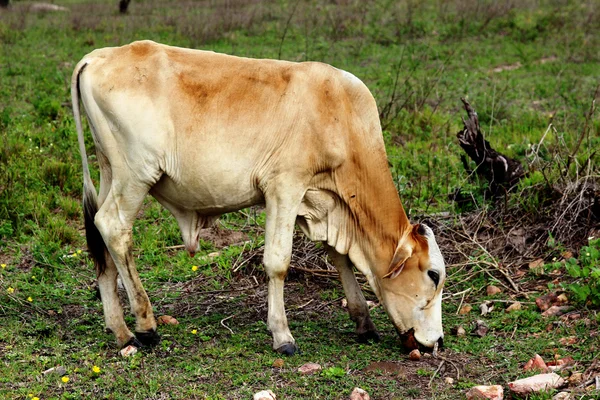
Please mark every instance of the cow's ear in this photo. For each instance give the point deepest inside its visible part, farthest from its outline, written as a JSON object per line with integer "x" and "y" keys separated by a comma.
{"x": 403, "y": 252}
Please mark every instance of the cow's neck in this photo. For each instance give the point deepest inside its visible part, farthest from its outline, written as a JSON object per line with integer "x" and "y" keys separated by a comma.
{"x": 366, "y": 186}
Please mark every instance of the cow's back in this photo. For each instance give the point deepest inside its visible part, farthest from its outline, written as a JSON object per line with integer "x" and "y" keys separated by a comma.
{"x": 219, "y": 127}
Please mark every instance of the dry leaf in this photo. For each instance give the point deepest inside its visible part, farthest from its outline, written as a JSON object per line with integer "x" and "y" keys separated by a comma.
{"x": 492, "y": 290}
{"x": 465, "y": 309}
{"x": 513, "y": 307}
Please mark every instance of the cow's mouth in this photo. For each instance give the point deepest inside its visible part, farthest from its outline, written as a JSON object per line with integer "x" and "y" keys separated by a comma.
{"x": 410, "y": 342}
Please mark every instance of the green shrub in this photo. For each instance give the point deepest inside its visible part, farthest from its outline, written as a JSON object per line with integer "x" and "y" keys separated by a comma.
{"x": 587, "y": 272}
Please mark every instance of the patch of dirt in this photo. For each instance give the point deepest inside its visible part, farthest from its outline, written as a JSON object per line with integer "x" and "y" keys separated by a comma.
{"x": 221, "y": 238}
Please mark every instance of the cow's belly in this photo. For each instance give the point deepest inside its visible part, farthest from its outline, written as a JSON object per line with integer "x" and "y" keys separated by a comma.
{"x": 207, "y": 195}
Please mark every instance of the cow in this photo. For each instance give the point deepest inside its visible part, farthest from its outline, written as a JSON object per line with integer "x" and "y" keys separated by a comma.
{"x": 206, "y": 134}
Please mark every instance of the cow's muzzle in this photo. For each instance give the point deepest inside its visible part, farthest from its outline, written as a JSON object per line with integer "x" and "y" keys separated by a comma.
{"x": 410, "y": 342}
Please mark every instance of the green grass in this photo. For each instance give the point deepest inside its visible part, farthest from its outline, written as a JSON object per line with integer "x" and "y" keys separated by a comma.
{"x": 433, "y": 53}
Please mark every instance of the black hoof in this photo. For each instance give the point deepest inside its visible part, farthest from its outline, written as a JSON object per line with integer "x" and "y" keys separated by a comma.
{"x": 366, "y": 337}
{"x": 148, "y": 339}
{"x": 288, "y": 349}
{"x": 133, "y": 342}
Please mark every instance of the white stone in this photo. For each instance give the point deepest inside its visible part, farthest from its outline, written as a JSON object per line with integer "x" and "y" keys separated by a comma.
{"x": 264, "y": 395}
{"x": 359, "y": 394}
{"x": 536, "y": 383}
{"x": 494, "y": 392}
{"x": 128, "y": 351}
{"x": 309, "y": 368}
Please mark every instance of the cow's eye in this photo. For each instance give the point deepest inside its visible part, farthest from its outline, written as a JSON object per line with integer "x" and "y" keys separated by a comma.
{"x": 435, "y": 277}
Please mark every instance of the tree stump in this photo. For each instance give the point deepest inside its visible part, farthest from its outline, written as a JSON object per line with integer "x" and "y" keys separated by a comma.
{"x": 500, "y": 171}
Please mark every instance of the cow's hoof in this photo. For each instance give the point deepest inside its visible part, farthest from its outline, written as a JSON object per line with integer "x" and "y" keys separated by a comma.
{"x": 288, "y": 349}
{"x": 148, "y": 339}
{"x": 132, "y": 342}
{"x": 368, "y": 336}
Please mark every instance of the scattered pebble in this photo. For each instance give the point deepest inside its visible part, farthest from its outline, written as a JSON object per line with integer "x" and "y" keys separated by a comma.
{"x": 465, "y": 309}
{"x": 536, "y": 383}
{"x": 166, "y": 320}
{"x": 481, "y": 329}
{"x": 492, "y": 290}
{"x": 414, "y": 355}
{"x": 359, "y": 394}
{"x": 460, "y": 331}
{"x": 264, "y": 395}
{"x": 537, "y": 363}
{"x": 562, "y": 396}
{"x": 486, "y": 308}
{"x": 278, "y": 363}
{"x": 309, "y": 368}
{"x": 494, "y": 392}
{"x": 562, "y": 298}
{"x": 555, "y": 311}
{"x": 537, "y": 266}
{"x": 560, "y": 363}
{"x": 344, "y": 303}
{"x": 59, "y": 370}
{"x": 567, "y": 341}
{"x": 128, "y": 351}
{"x": 514, "y": 307}
{"x": 449, "y": 380}
{"x": 575, "y": 379}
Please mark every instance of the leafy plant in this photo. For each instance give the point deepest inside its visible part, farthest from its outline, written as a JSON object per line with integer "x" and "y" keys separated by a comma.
{"x": 587, "y": 272}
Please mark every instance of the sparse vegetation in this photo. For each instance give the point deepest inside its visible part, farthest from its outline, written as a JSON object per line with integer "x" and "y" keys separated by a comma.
{"x": 529, "y": 68}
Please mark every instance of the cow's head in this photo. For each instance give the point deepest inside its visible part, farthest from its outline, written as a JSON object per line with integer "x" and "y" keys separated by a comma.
{"x": 411, "y": 289}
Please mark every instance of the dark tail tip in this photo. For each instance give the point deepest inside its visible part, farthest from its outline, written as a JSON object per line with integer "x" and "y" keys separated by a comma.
{"x": 95, "y": 243}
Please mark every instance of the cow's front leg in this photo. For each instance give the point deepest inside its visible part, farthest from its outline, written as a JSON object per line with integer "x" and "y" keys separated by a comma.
{"x": 357, "y": 305}
{"x": 281, "y": 209}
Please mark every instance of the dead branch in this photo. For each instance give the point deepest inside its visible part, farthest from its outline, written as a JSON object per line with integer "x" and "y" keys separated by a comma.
{"x": 499, "y": 170}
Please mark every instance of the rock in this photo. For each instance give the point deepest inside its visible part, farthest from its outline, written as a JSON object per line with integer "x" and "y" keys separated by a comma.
{"x": 536, "y": 363}
{"x": 575, "y": 379}
{"x": 536, "y": 383}
{"x": 555, "y": 311}
{"x": 359, "y": 394}
{"x": 486, "y": 308}
{"x": 567, "y": 341}
{"x": 481, "y": 329}
{"x": 58, "y": 370}
{"x": 562, "y": 396}
{"x": 166, "y": 320}
{"x": 494, "y": 392}
{"x": 560, "y": 363}
{"x": 414, "y": 355}
{"x": 562, "y": 298}
{"x": 309, "y": 368}
{"x": 128, "y": 351}
{"x": 465, "y": 309}
{"x": 546, "y": 301}
{"x": 537, "y": 266}
{"x": 449, "y": 381}
{"x": 344, "y": 303}
{"x": 460, "y": 331}
{"x": 278, "y": 363}
{"x": 45, "y": 7}
{"x": 264, "y": 395}
{"x": 513, "y": 307}
{"x": 492, "y": 290}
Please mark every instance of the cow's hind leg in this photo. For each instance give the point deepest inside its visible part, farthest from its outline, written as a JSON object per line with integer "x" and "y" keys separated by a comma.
{"x": 114, "y": 221}
{"x": 357, "y": 305}
{"x": 282, "y": 209}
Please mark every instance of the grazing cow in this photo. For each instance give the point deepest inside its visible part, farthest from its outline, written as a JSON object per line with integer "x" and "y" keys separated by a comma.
{"x": 206, "y": 134}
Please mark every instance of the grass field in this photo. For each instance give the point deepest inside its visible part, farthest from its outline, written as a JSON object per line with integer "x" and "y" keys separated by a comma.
{"x": 531, "y": 69}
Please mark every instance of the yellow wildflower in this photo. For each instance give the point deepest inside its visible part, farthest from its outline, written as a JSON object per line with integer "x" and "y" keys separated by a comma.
{"x": 3, "y": 265}
{"x": 96, "y": 369}
{"x": 79, "y": 251}
{"x": 194, "y": 331}
{"x": 10, "y": 290}
{"x": 35, "y": 398}
{"x": 65, "y": 379}
{"x": 29, "y": 299}
{"x": 194, "y": 268}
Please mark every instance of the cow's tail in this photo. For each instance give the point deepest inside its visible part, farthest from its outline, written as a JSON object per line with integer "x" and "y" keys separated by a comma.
{"x": 95, "y": 243}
